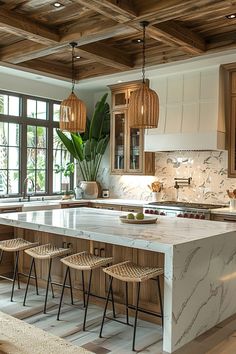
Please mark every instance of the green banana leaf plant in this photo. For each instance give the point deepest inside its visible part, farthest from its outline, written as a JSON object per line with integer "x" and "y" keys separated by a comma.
{"x": 89, "y": 147}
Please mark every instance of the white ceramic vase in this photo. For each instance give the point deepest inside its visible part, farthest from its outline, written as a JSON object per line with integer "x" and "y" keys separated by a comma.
{"x": 90, "y": 189}
{"x": 155, "y": 196}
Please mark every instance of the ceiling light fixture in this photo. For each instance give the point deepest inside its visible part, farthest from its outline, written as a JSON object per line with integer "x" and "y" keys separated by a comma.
{"x": 72, "y": 109}
{"x": 143, "y": 109}
{"x": 231, "y": 16}
{"x": 57, "y": 4}
{"x": 78, "y": 57}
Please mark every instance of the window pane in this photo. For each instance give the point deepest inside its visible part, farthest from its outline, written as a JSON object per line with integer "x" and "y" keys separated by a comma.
{"x": 40, "y": 181}
{"x": 31, "y": 136}
{"x": 3, "y": 182}
{"x": 3, "y": 157}
{"x": 31, "y": 159}
{"x": 56, "y": 182}
{"x": 14, "y": 106}
{"x": 41, "y": 159}
{"x": 3, "y": 104}
{"x": 41, "y": 110}
{"x": 14, "y": 134}
{"x": 31, "y": 108}
{"x": 3, "y": 133}
{"x": 56, "y": 112}
{"x": 41, "y": 137}
{"x": 13, "y": 158}
{"x": 13, "y": 182}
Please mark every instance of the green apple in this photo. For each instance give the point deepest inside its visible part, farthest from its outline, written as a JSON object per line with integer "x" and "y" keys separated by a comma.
{"x": 139, "y": 216}
{"x": 130, "y": 216}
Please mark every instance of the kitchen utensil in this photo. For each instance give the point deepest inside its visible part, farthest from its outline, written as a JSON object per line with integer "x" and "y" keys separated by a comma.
{"x": 230, "y": 194}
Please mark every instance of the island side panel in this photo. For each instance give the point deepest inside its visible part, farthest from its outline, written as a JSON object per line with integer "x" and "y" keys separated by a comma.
{"x": 204, "y": 286}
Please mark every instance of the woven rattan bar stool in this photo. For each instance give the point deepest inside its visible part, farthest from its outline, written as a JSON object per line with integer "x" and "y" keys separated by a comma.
{"x": 45, "y": 252}
{"x": 15, "y": 245}
{"x": 129, "y": 272}
{"x": 83, "y": 261}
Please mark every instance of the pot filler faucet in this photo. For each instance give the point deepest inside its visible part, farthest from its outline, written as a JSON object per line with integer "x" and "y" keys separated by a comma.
{"x": 25, "y": 186}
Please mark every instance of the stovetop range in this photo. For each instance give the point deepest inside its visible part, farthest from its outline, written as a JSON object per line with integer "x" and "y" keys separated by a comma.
{"x": 181, "y": 209}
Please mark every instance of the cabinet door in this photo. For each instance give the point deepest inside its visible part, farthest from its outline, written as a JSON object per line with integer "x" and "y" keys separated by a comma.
{"x": 118, "y": 142}
{"x": 135, "y": 150}
{"x": 120, "y": 99}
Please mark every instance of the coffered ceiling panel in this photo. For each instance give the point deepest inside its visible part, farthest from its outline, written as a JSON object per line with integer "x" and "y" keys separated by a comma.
{"x": 36, "y": 34}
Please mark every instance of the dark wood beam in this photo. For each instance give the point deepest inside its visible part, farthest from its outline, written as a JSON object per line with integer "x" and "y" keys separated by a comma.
{"x": 108, "y": 56}
{"x": 121, "y": 11}
{"x": 177, "y": 35}
{"x": 27, "y": 50}
{"x": 22, "y": 26}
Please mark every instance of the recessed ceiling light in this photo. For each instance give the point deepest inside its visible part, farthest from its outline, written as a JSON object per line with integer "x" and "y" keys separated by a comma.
{"x": 231, "y": 16}
{"x": 138, "y": 40}
{"x": 57, "y": 4}
{"x": 77, "y": 57}
{"x": 119, "y": 81}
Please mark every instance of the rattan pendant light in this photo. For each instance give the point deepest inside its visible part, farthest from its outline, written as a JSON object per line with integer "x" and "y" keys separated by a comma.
{"x": 143, "y": 110}
{"x": 72, "y": 109}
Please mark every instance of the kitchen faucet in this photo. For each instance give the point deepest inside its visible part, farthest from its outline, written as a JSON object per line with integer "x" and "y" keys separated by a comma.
{"x": 25, "y": 186}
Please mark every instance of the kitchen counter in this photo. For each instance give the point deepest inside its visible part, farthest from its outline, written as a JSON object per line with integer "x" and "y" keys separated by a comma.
{"x": 200, "y": 262}
{"x": 224, "y": 211}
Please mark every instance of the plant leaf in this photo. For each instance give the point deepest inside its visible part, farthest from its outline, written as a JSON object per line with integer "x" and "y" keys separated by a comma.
{"x": 78, "y": 146}
{"x": 97, "y": 121}
{"x": 67, "y": 142}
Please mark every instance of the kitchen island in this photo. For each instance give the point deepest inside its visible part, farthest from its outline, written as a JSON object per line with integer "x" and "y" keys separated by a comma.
{"x": 199, "y": 259}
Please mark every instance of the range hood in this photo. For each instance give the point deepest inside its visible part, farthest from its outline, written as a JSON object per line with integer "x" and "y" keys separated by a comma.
{"x": 191, "y": 112}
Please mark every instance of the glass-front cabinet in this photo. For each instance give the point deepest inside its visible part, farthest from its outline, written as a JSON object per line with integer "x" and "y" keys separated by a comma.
{"x": 127, "y": 144}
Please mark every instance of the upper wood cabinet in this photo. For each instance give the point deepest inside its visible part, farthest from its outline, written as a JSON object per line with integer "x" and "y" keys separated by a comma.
{"x": 127, "y": 144}
{"x": 230, "y": 108}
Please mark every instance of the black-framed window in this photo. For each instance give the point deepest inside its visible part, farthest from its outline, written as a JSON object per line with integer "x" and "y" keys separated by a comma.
{"x": 29, "y": 146}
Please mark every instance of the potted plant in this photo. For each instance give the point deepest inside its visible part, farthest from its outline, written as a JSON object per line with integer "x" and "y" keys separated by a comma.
{"x": 67, "y": 170}
{"x": 88, "y": 148}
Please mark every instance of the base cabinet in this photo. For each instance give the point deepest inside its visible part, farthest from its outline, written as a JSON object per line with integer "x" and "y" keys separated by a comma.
{"x": 100, "y": 282}
{"x": 223, "y": 217}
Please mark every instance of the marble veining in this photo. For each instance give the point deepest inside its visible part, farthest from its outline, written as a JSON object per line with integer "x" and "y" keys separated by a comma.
{"x": 208, "y": 170}
{"x": 199, "y": 265}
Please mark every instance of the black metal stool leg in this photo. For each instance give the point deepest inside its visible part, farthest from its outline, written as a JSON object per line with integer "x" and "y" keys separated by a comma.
{"x": 71, "y": 291}
{"x": 82, "y": 272}
{"x": 48, "y": 281}
{"x": 15, "y": 274}
{"x": 105, "y": 308}
{"x": 28, "y": 280}
{"x": 136, "y": 316}
{"x": 51, "y": 287}
{"x": 160, "y": 299}
{"x": 127, "y": 302}
{"x": 113, "y": 303}
{"x": 18, "y": 276}
{"x": 36, "y": 279}
{"x": 87, "y": 302}
{"x": 62, "y": 293}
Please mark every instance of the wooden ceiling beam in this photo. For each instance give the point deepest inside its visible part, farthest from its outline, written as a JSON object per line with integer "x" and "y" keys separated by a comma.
{"x": 108, "y": 56}
{"x": 121, "y": 11}
{"x": 22, "y": 26}
{"x": 27, "y": 50}
{"x": 42, "y": 67}
{"x": 177, "y": 35}
{"x": 170, "y": 33}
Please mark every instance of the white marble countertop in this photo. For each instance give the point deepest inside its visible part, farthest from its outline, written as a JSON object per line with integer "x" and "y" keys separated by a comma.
{"x": 224, "y": 211}
{"x": 105, "y": 226}
{"x": 16, "y": 204}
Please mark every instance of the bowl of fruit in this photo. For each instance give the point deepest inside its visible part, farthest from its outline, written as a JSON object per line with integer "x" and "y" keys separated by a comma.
{"x": 138, "y": 218}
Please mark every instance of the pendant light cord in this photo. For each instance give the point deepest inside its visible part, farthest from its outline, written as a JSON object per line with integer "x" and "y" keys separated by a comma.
{"x": 73, "y": 45}
{"x": 144, "y": 50}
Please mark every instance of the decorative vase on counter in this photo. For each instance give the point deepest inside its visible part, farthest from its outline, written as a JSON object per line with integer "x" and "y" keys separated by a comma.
{"x": 155, "y": 196}
{"x": 90, "y": 189}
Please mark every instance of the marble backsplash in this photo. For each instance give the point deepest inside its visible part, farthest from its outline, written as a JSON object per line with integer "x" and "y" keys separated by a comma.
{"x": 208, "y": 170}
